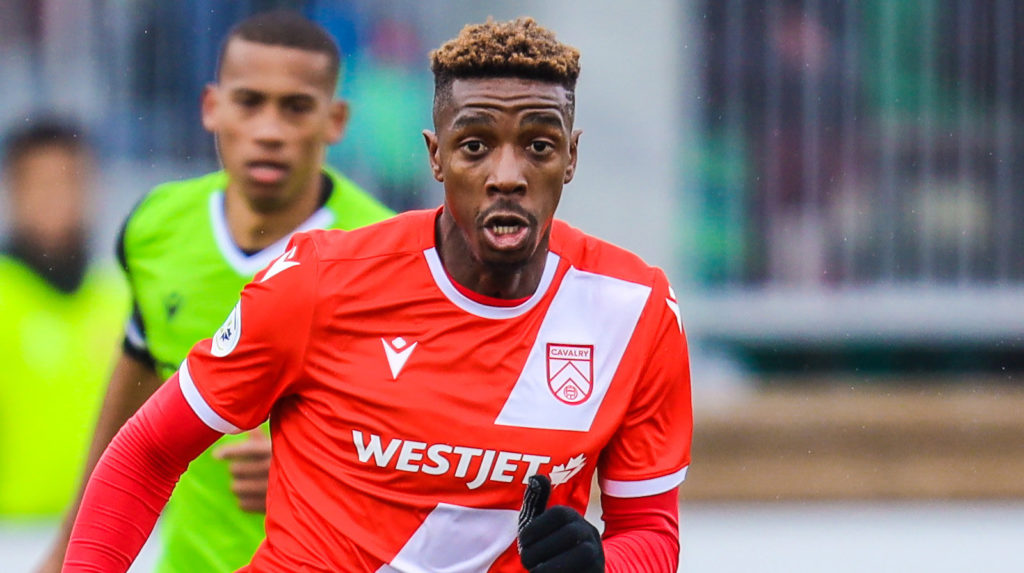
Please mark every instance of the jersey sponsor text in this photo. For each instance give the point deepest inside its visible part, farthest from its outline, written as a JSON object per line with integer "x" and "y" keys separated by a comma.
{"x": 448, "y": 459}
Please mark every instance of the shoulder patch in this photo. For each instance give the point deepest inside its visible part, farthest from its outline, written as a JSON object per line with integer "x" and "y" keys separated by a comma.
{"x": 226, "y": 338}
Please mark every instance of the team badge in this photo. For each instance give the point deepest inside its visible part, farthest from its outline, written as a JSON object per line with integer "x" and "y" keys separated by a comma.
{"x": 226, "y": 338}
{"x": 571, "y": 371}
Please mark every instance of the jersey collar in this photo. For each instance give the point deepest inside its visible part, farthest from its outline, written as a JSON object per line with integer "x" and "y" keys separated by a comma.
{"x": 452, "y": 293}
{"x": 248, "y": 265}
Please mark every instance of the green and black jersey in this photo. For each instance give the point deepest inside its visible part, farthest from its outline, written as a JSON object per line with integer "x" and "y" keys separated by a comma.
{"x": 186, "y": 273}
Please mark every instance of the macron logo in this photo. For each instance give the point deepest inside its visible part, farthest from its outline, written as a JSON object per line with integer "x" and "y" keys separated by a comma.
{"x": 398, "y": 353}
{"x": 281, "y": 263}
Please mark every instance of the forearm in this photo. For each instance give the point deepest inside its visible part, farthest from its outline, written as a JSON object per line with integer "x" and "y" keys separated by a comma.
{"x": 641, "y": 551}
{"x": 641, "y": 534}
{"x": 133, "y": 480}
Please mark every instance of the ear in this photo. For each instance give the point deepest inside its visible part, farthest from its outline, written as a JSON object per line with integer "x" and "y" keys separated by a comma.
{"x": 570, "y": 169}
{"x": 434, "y": 154}
{"x": 208, "y": 104}
{"x": 337, "y": 121}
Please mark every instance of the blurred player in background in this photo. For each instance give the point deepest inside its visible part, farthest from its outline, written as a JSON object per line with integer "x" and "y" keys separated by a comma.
{"x": 418, "y": 372}
{"x": 60, "y": 314}
{"x": 189, "y": 247}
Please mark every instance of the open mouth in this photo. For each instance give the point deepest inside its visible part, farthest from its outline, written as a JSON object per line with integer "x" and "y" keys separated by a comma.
{"x": 267, "y": 172}
{"x": 506, "y": 231}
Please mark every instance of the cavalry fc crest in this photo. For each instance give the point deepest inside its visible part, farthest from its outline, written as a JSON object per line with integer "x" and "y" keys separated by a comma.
{"x": 571, "y": 371}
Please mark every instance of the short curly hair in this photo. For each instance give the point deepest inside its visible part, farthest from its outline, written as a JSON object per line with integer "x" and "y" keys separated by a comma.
{"x": 519, "y": 48}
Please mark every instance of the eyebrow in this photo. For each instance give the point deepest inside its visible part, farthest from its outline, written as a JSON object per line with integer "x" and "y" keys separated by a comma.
{"x": 303, "y": 97}
{"x": 543, "y": 118}
{"x": 247, "y": 91}
{"x": 244, "y": 91}
{"x": 538, "y": 118}
{"x": 471, "y": 120}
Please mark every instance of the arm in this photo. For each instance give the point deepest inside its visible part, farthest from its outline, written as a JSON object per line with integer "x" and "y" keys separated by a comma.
{"x": 228, "y": 383}
{"x": 133, "y": 480}
{"x": 641, "y": 534}
{"x": 132, "y": 383}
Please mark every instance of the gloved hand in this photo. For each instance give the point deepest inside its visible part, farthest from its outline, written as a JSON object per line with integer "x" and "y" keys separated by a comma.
{"x": 557, "y": 538}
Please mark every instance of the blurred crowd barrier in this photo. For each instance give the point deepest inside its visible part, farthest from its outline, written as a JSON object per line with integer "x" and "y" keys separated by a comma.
{"x": 860, "y": 184}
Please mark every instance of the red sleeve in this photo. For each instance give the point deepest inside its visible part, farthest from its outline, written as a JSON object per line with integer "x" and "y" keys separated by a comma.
{"x": 650, "y": 451}
{"x": 133, "y": 481}
{"x": 641, "y": 534}
{"x": 234, "y": 379}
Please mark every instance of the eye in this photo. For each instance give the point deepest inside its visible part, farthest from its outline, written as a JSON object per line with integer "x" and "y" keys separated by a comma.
{"x": 248, "y": 100}
{"x": 474, "y": 147}
{"x": 298, "y": 105}
{"x": 540, "y": 146}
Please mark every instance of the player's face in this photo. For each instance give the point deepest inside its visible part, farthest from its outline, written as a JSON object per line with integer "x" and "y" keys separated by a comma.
{"x": 273, "y": 114}
{"x": 504, "y": 148}
{"x": 51, "y": 185}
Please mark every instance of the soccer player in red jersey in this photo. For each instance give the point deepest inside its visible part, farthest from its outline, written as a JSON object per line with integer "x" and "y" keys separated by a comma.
{"x": 421, "y": 373}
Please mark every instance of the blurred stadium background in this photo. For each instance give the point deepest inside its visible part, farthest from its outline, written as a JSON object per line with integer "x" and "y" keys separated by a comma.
{"x": 834, "y": 188}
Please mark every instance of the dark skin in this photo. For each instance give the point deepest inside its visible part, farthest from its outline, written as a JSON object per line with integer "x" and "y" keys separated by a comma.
{"x": 503, "y": 148}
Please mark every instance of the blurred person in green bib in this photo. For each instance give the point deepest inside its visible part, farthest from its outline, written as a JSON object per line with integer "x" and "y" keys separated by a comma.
{"x": 61, "y": 316}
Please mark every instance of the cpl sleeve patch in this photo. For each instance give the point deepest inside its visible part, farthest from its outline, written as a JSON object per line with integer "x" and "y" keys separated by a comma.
{"x": 226, "y": 338}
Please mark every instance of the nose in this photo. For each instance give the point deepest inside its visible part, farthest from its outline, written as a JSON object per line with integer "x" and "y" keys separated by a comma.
{"x": 268, "y": 127}
{"x": 507, "y": 176}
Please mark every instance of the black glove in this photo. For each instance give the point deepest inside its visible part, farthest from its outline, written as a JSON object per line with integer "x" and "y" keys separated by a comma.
{"x": 558, "y": 539}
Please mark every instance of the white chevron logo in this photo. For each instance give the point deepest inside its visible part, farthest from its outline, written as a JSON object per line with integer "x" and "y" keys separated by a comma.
{"x": 281, "y": 263}
{"x": 398, "y": 353}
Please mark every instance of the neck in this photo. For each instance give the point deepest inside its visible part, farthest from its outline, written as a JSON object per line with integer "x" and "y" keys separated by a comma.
{"x": 492, "y": 280}
{"x": 254, "y": 230}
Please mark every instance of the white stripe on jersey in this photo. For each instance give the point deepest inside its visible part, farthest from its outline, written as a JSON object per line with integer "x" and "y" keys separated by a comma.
{"x": 482, "y": 310}
{"x": 456, "y": 539}
{"x": 589, "y": 309}
{"x": 199, "y": 405}
{"x": 642, "y": 488}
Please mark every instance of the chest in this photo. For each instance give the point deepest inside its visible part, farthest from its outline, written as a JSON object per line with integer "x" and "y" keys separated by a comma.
{"x": 182, "y": 302}
{"x": 438, "y": 398}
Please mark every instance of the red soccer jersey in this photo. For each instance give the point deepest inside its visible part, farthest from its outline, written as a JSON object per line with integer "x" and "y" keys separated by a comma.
{"x": 406, "y": 416}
